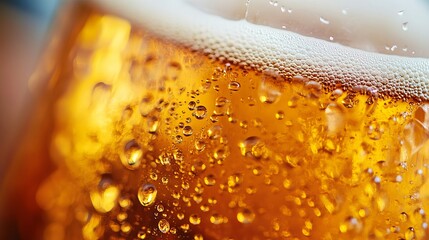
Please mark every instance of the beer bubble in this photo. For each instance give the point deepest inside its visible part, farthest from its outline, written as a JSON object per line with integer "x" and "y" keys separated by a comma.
{"x": 195, "y": 219}
{"x": 147, "y": 194}
{"x": 104, "y": 197}
{"x": 246, "y": 216}
{"x": 234, "y": 86}
{"x": 210, "y": 180}
{"x": 164, "y": 225}
{"x": 187, "y": 131}
{"x": 200, "y": 112}
{"x": 131, "y": 155}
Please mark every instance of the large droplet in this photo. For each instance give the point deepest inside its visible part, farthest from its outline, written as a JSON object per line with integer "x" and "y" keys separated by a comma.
{"x": 132, "y": 155}
{"x": 234, "y": 86}
{"x": 147, "y": 194}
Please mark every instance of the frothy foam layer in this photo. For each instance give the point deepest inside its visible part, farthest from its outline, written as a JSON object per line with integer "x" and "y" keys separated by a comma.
{"x": 286, "y": 53}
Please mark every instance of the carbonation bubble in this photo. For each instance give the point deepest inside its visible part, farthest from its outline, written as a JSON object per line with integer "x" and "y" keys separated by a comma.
{"x": 245, "y": 216}
{"x": 164, "y": 225}
{"x": 200, "y": 112}
{"x": 132, "y": 154}
{"x": 147, "y": 194}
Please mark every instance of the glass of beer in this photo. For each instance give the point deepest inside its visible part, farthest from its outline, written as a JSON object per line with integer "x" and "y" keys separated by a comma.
{"x": 225, "y": 120}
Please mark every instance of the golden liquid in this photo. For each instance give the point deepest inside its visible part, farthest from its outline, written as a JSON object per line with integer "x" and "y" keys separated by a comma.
{"x": 151, "y": 140}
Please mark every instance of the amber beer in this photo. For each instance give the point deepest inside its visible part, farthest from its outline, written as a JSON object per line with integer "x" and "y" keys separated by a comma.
{"x": 151, "y": 129}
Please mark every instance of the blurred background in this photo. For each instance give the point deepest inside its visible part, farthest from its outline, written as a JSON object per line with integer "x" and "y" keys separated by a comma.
{"x": 24, "y": 25}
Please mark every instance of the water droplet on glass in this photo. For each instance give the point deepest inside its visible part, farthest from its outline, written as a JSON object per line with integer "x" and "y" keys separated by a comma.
{"x": 215, "y": 132}
{"x": 104, "y": 197}
{"x": 210, "y": 180}
{"x": 164, "y": 225}
{"x": 216, "y": 219}
{"x": 173, "y": 70}
{"x": 405, "y": 26}
{"x": 195, "y": 219}
{"x": 192, "y": 105}
{"x": 323, "y": 20}
{"x": 147, "y": 194}
{"x": 280, "y": 115}
{"x": 234, "y": 86}
{"x": 268, "y": 92}
{"x": 187, "y": 131}
{"x": 400, "y": 13}
{"x": 253, "y": 147}
{"x": 200, "y": 112}
{"x": 245, "y": 216}
{"x": 132, "y": 155}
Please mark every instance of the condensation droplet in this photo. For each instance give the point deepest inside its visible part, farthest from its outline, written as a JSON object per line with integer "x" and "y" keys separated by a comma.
{"x": 192, "y": 105}
{"x": 280, "y": 115}
{"x": 147, "y": 194}
{"x": 200, "y": 112}
{"x": 104, "y": 197}
{"x": 405, "y": 26}
{"x": 187, "y": 131}
{"x": 268, "y": 92}
{"x": 132, "y": 155}
{"x": 253, "y": 147}
{"x": 210, "y": 180}
{"x": 324, "y": 20}
{"x": 215, "y": 132}
{"x": 234, "y": 86}
{"x": 245, "y": 216}
{"x": 216, "y": 219}
{"x": 194, "y": 219}
{"x": 164, "y": 225}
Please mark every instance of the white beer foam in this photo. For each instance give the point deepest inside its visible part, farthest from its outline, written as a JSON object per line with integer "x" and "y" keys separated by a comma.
{"x": 287, "y": 53}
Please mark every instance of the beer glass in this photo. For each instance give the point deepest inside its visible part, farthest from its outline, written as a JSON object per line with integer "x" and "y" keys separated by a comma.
{"x": 226, "y": 120}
